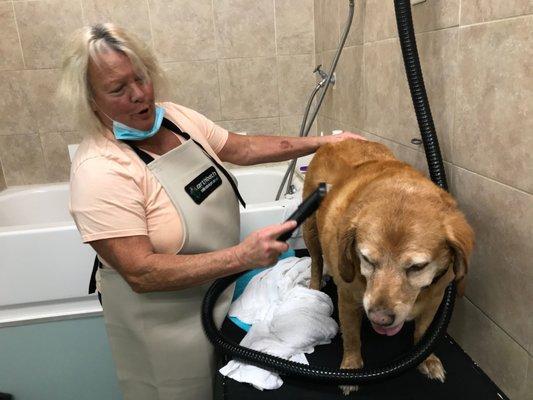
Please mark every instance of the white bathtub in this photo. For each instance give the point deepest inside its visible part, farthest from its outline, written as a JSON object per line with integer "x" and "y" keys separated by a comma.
{"x": 44, "y": 266}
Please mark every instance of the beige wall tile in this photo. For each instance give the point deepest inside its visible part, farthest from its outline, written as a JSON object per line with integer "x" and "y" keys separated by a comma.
{"x": 132, "y": 15}
{"x": 183, "y": 30}
{"x": 473, "y": 11}
{"x": 500, "y": 357}
{"x": 15, "y": 111}
{"x": 248, "y": 88}
{"x": 438, "y": 57}
{"x": 326, "y": 125}
{"x": 22, "y": 159}
{"x": 319, "y": 26}
{"x": 290, "y": 125}
{"x": 345, "y": 126}
{"x": 245, "y": 28}
{"x": 413, "y": 156}
{"x": 500, "y": 279}
{"x": 10, "y": 51}
{"x": 294, "y": 27}
{"x": 44, "y": 27}
{"x": 261, "y": 126}
{"x": 527, "y": 391}
{"x": 380, "y": 17}
{"x": 2, "y": 179}
{"x": 382, "y": 75}
{"x": 379, "y": 21}
{"x": 494, "y": 96}
{"x": 435, "y": 14}
{"x": 348, "y": 89}
{"x": 328, "y": 107}
{"x": 56, "y": 158}
{"x": 194, "y": 84}
{"x": 48, "y": 113}
{"x": 295, "y": 83}
{"x": 355, "y": 37}
{"x": 330, "y": 20}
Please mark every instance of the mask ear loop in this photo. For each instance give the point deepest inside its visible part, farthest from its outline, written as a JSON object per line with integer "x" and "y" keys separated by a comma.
{"x": 103, "y": 112}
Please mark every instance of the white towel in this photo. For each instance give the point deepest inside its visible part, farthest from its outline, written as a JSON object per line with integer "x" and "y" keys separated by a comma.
{"x": 287, "y": 319}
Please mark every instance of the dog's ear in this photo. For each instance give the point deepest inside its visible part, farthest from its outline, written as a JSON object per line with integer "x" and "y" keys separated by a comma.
{"x": 347, "y": 255}
{"x": 460, "y": 238}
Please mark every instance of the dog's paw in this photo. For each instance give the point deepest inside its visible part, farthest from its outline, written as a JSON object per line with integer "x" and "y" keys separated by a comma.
{"x": 351, "y": 361}
{"x": 432, "y": 368}
{"x": 347, "y": 389}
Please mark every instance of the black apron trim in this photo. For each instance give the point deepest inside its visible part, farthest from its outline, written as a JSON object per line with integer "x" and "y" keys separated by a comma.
{"x": 92, "y": 282}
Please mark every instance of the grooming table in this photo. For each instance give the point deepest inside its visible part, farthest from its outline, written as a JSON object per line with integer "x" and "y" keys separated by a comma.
{"x": 464, "y": 379}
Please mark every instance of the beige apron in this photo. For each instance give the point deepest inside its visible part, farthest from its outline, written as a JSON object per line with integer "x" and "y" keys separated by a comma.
{"x": 157, "y": 340}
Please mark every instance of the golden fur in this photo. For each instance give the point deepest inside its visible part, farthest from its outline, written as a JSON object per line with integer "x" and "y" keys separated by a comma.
{"x": 384, "y": 232}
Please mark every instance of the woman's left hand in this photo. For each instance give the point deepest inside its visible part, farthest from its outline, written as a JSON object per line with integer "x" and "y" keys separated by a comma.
{"x": 340, "y": 137}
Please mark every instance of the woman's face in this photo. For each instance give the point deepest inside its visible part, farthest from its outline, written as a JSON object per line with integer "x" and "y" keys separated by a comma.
{"x": 120, "y": 92}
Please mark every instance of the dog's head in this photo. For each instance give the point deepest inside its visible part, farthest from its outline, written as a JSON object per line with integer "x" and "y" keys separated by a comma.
{"x": 401, "y": 248}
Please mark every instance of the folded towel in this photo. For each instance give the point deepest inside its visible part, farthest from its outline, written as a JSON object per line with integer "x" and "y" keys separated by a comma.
{"x": 287, "y": 319}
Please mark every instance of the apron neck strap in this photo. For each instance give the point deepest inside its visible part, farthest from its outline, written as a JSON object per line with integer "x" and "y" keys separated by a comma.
{"x": 147, "y": 158}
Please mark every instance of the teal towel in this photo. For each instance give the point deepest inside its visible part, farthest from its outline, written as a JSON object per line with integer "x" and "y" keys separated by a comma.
{"x": 242, "y": 282}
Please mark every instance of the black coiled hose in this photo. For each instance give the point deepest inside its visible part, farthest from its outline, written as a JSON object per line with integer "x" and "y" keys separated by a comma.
{"x": 413, "y": 71}
{"x": 439, "y": 324}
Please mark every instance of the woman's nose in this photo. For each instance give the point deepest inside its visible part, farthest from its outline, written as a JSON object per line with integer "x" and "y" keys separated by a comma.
{"x": 137, "y": 92}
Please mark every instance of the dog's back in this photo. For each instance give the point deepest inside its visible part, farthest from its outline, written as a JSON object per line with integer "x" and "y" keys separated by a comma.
{"x": 335, "y": 162}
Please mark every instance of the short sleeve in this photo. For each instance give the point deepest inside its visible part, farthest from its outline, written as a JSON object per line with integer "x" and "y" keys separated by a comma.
{"x": 105, "y": 201}
{"x": 215, "y": 135}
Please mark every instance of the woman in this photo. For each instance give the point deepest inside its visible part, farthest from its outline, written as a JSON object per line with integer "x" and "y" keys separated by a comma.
{"x": 148, "y": 193}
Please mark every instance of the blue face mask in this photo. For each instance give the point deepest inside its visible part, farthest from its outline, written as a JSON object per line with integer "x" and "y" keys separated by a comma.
{"x": 124, "y": 132}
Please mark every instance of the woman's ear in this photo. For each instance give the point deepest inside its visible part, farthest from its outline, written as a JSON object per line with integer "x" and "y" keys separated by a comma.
{"x": 460, "y": 238}
{"x": 347, "y": 254}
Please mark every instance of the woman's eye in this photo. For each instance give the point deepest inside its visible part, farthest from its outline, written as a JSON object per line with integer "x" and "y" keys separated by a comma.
{"x": 417, "y": 267}
{"x": 117, "y": 90}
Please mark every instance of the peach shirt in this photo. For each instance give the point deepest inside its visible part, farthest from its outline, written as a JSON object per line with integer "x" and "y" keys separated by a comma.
{"x": 113, "y": 194}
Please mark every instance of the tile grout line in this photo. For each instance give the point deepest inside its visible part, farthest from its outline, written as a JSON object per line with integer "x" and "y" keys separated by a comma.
{"x": 84, "y": 19}
{"x": 456, "y": 84}
{"x": 511, "y": 18}
{"x": 497, "y": 325}
{"x": 278, "y": 88}
{"x": 151, "y": 26}
{"x": 18, "y": 34}
{"x": 215, "y": 37}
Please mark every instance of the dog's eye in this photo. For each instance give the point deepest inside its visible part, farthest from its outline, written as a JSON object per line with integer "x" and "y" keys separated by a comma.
{"x": 367, "y": 260}
{"x": 416, "y": 267}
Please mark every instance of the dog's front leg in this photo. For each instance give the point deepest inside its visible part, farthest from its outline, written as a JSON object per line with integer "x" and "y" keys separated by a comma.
{"x": 350, "y": 314}
{"x": 431, "y": 366}
{"x": 312, "y": 241}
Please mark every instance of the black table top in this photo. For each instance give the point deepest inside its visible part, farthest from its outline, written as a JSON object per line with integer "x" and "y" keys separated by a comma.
{"x": 464, "y": 379}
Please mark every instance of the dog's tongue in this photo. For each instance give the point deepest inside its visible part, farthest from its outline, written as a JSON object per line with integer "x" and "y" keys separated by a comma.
{"x": 387, "y": 331}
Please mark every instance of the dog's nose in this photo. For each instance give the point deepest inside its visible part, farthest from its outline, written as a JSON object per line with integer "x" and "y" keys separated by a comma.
{"x": 381, "y": 317}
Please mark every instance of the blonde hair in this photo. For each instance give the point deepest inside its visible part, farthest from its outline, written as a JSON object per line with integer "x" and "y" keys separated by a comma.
{"x": 86, "y": 44}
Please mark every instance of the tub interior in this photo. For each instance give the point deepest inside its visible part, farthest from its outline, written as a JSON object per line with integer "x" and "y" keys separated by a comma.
{"x": 34, "y": 205}
{"x": 261, "y": 185}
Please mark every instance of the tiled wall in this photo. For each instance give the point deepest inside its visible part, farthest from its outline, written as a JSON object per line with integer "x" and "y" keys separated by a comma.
{"x": 477, "y": 59}
{"x": 246, "y": 64}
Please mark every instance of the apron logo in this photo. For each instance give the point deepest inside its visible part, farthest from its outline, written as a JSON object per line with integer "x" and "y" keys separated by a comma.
{"x": 203, "y": 185}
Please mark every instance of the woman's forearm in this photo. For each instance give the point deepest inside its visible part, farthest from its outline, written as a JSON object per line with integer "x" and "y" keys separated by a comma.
{"x": 276, "y": 148}
{"x": 168, "y": 272}
{"x": 256, "y": 149}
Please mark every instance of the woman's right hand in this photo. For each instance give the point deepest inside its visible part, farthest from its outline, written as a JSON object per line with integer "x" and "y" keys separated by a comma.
{"x": 261, "y": 248}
